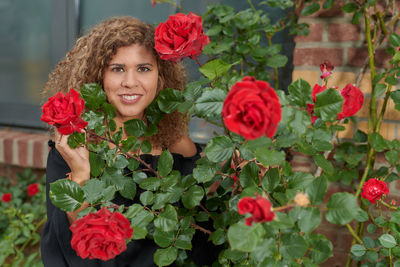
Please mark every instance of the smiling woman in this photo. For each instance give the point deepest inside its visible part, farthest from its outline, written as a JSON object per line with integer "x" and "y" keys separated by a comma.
{"x": 119, "y": 55}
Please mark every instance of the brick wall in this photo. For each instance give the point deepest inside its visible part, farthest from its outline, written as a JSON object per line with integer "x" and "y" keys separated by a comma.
{"x": 332, "y": 37}
{"x": 20, "y": 150}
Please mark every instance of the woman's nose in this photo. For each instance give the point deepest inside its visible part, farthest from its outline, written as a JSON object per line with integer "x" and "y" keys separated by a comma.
{"x": 129, "y": 80}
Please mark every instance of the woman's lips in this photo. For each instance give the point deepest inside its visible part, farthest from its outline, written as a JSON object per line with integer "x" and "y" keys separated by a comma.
{"x": 130, "y": 99}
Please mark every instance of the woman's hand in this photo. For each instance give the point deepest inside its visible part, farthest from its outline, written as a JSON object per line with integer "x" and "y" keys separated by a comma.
{"x": 77, "y": 159}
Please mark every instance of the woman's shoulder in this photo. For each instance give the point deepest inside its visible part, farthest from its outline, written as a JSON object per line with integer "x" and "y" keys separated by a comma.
{"x": 184, "y": 146}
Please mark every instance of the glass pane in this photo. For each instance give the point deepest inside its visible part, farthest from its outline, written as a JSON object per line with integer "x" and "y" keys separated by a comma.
{"x": 24, "y": 59}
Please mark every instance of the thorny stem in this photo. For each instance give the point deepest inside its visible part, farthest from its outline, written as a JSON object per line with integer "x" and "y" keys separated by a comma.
{"x": 198, "y": 227}
{"x": 148, "y": 166}
{"x": 208, "y": 213}
{"x": 383, "y": 109}
{"x": 387, "y": 205}
{"x": 372, "y": 109}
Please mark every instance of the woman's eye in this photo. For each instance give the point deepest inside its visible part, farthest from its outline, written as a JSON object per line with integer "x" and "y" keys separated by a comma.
{"x": 143, "y": 69}
{"x": 117, "y": 69}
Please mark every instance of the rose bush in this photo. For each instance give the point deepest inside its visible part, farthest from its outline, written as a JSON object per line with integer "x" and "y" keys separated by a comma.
{"x": 101, "y": 235}
{"x": 250, "y": 156}
{"x": 64, "y": 112}
{"x": 252, "y": 109}
{"x": 180, "y": 36}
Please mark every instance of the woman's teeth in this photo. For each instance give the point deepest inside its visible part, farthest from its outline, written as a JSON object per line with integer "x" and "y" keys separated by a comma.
{"x": 130, "y": 97}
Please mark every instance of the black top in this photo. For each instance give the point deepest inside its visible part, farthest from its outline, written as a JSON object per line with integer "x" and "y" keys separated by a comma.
{"x": 56, "y": 237}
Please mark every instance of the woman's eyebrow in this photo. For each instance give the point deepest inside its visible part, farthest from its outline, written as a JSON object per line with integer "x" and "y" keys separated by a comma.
{"x": 117, "y": 65}
{"x": 144, "y": 64}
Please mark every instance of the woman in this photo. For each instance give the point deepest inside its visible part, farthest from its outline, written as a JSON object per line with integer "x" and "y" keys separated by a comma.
{"x": 119, "y": 55}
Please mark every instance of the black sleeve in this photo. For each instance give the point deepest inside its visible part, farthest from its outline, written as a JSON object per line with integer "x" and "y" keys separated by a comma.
{"x": 55, "y": 242}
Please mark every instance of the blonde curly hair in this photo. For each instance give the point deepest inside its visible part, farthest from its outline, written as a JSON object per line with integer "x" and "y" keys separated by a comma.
{"x": 88, "y": 59}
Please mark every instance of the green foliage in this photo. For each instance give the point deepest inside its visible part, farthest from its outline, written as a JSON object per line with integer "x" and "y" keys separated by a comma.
{"x": 21, "y": 219}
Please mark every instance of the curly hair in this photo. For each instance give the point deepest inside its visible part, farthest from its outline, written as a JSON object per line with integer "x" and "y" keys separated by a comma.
{"x": 88, "y": 59}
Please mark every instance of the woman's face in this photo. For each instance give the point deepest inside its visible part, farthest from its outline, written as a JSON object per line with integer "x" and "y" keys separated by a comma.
{"x": 130, "y": 81}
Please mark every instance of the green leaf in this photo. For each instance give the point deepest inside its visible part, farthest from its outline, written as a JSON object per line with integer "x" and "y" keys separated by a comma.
{"x": 371, "y": 228}
{"x": 247, "y": 149}
{"x": 300, "y": 92}
{"x": 139, "y": 216}
{"x": 96, "y": 164}
{"x": 66, "y": 195}
{"x": 165, "y": 256}
{"x": 341, "y": 208}
{"x": 215, "y": 68}
{"x": 358, "y": 250}
{"x": 328, "y": 4}
{"x": 193, "y": 90}
{"x": 328, "y": 104}
{"x": 151, "y": 183}
{"x": 299, "y": 180}
{"x": 269, "y": 157}
{"x": 362, "y": 216}
{"x": 183, "y": 242}
{"x": 392, "y": 156}
{"x": 391, "y": 80}
{"x": 93, "y": 189}
{"x": 395, "y": 96}
{"x": 165, "y": 163}
{"x": 170, "y": 181}
{"x": 377, "y": 142}
{"x": 135, "y": 127}
{"x": 350, "y": 7}
{"x": 271, "y": 180}
{"x": 309, "y": 219}
{"x": 162, "y": 238}
{"x": 320, "y": 248}
{"x": 109, "y": 110}
{"x": 388, "y": 241}
{"x": 130, "y": 144}
{"x": 244, "y": 238}
{"x": 205, "y": 172}
{"x": 169, "y": 100}
{"x": 293, "y": 246}
{"x": 310, "y": 9}
{"x": 167, "y": 220}
{"x": 94, "y": 119}
{"x": 218, "y": 237}
{"x": 379, "y": 89}
{"x": 325, "y": 164}
{"x": 129, "y": 189}
{"x": 139, "y": 232}
{"x": 147, "y": 198}
{"x": 276, "y": 61}
{"x": 394, "y": 40}
{"x": 146, "y": 146}
{"x": 120, "y": 162}
{"x": 108, "y": 193}
{"x": 249, "y": 174}
{"x": 210, "y": 103}
{"x": 219, "y": 148}
{"x": 193, "y": 197}
{"x": 93, "y": 95}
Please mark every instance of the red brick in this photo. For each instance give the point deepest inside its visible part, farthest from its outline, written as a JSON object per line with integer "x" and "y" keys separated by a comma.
{"x": 343, "y": 32}
{"x": 8, "y": 146}
{"x": 23, "y": 152}
{"x": 38, "y": 153}
{"x": 315, "y": 34}
{"x": 315, "y": 56}
{"x": 357, "y": 56}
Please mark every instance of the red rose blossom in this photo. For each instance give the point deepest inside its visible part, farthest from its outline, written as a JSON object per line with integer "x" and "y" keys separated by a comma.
{"x": 6, "y": 197}
{"x": 180, "y": 36}
{"x": 101, "y": 235}
{"x": 373, "y": 189}
{"x": 64, "y": 112}
{"x": 260, "y": 209}
{"x": 252, "y": 109}
{"x": 353, "y": 101}
{"x": 33, "y": 189}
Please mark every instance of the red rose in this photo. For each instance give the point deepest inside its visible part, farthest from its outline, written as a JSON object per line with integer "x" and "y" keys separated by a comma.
{"x": 64, "y": 112}
{"x": 260, "y": 209}
{"x": 352, "y": 96}
{"x": 33, "y": 189}
{"x": 101, "y": 235}
{"x": 180, "y": 36}
{"x": 353, "y": 101}
{"x": 6, "y": 197}
{"x": 252, "y": 109}
{"x": 373, "y": 189}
